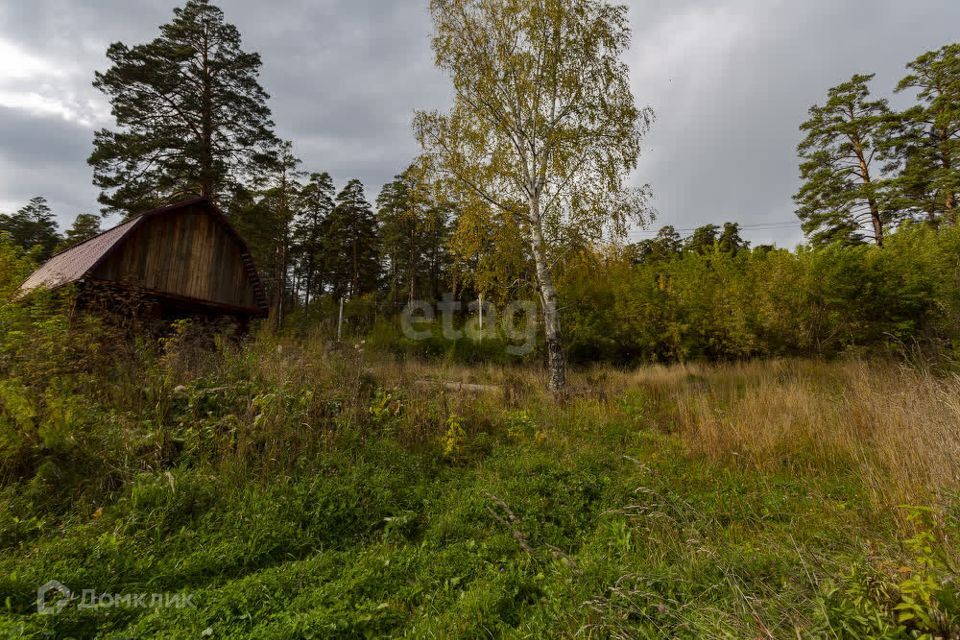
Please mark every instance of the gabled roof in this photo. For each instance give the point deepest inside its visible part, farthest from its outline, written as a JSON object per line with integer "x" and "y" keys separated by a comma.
{"x": 77, "y": 262}
{"x": 74, "y": 263}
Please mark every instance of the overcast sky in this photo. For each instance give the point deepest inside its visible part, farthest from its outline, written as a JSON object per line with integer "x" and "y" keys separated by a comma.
{"x": 730, "y": 81}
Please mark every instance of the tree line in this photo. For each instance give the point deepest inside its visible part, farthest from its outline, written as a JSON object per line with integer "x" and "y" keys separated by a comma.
{"x": 312, "y": 240}
{"x": 33, "y": 228}
{"x": 712, "y": 296}
{"x": 308, "y": 238}
{"x": 521, "y": 191}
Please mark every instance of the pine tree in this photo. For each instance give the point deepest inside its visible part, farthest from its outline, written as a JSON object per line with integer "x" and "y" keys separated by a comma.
{"x": 192, "y": 118}
{"x": 926, "y": 146}
{"x": 843, "y": 195}
{"x": 703, "y": 239}
{"x": 350, "y": 244}
{"x": 730, "y": 240}
{"x": 85, "y": 226}
{"x": 397, "y": 217}
{"x": 32, "y": 228}
{"x": 256, "y": 223}
{"x": 414, "y": 230}
{"x": 664, "y": 246}
{"x": 264, "y": 215}
{"x": 316, "y": 203}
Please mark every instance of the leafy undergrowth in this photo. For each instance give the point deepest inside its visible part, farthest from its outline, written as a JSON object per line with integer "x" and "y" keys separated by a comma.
{"x": 282, "y": 489}
{"x": 605, "y": 532}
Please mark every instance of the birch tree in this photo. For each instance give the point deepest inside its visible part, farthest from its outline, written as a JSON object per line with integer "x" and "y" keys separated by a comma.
{"x": 543, "y": 127}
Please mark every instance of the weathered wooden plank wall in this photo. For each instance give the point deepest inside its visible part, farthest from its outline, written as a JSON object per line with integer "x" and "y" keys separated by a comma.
{"x": 186, "y": 253}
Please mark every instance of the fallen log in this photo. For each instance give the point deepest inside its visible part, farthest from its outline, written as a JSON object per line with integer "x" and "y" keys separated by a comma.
{"x": 461, "y": 386}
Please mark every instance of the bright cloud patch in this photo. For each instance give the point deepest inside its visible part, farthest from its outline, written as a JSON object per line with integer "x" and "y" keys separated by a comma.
{"x": 42, "y": 87}
{"x": 17, "y": 64}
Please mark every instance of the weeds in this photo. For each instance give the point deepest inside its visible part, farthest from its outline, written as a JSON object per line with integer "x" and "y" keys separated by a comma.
{"x": 299, "y": 490}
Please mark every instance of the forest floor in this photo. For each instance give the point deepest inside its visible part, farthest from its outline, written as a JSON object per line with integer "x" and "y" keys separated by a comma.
{"x": 303, "y": 493}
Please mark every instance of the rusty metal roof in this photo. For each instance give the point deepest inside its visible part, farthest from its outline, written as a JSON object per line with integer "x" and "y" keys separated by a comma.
{"x": 73, "y": 264}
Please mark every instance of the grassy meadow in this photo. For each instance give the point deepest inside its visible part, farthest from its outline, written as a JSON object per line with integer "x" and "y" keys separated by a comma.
{"x": 790, "y": 469}
{"x": 297, "y": 489}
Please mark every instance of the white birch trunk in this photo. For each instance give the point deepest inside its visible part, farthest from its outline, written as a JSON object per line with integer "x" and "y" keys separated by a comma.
{"x": 556, "y": 360}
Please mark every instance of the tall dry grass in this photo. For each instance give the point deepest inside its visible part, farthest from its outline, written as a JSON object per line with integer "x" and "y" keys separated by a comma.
{"x": 896, "y": 426}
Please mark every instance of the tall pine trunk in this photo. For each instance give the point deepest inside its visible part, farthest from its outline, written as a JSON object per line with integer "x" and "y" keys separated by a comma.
{"x": 875, "y": 218}
{"x": 556, "y": 360}
{"x": 206, "y": 125}
{"x": 877, "y": 222}
{"x": 950, "y": 201}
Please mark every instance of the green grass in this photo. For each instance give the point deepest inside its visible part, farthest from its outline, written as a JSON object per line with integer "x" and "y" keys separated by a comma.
{"x": 611, "y": 530}
{"x": 293, "y": 490}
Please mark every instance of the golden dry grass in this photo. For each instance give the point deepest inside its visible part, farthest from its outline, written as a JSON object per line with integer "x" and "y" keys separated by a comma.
{"x": 896, "y": 426}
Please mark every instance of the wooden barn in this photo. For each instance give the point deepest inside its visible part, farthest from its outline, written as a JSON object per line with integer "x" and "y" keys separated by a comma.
{"x": 185, "y": 259}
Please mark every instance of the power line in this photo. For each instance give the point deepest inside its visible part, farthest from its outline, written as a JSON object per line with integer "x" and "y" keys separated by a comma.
{"x": 756, "y": 226}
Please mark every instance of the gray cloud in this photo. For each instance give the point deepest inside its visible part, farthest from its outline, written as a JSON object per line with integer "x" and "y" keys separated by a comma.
{"x": 731, "y": 80}
{"x": 45, "y": 156}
